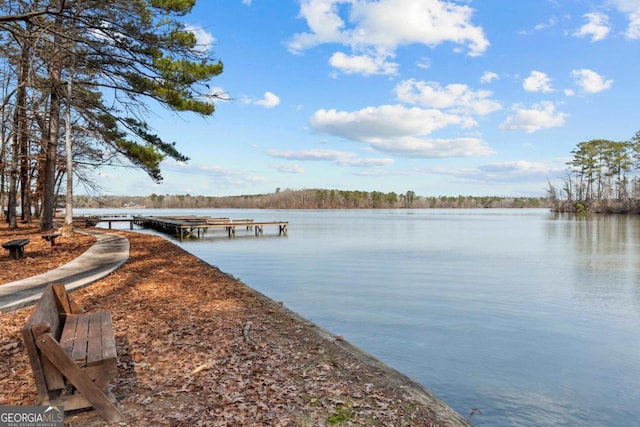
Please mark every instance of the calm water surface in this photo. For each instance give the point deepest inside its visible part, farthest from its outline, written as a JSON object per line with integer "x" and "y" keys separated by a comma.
{"x": 532, "y": 318}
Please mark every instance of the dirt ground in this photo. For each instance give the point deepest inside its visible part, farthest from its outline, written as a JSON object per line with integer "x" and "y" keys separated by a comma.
{"x": 197, "y": 347}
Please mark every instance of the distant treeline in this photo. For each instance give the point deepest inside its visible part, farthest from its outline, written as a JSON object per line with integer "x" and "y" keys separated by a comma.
{"x": 311, "y": 199}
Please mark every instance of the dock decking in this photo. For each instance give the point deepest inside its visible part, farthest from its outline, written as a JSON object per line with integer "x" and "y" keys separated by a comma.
{"x": 190, "y": 225}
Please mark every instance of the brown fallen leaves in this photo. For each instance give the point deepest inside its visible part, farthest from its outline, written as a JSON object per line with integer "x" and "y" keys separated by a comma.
{"x": 40, "y": 256}
{"x": 198, "y": 348}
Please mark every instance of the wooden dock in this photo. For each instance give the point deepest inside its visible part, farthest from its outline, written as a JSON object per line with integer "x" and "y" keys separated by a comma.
{"x": 190, "y": 226}
{"x": 93, "y": 220}
{"x": 186, "y": 225}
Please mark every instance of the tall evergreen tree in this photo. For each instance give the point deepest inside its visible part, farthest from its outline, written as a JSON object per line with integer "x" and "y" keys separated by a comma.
{"x": 133, "y": 53}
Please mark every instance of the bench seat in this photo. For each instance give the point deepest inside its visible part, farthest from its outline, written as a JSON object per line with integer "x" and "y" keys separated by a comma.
{"x": 89, "y": 341}
{"x": 16, "y": 247}
{"x": 51, "y": 237}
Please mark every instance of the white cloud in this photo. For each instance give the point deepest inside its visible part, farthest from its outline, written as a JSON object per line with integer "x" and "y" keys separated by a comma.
{"x": 400, "y": 130}
{"x": 597, "y": 27}
{"x": 384, "y": 25}
{"x": 324, "y": 22}
{"x": 221, "y": 175}
{"x": 632, "y": 9}
{"x": 218, "y": 93}
{"x": 204, "y": 39}
{"x": 543, "y": 26}
{"x": 540, "y": 27}
{"x": 392, "y": 23}
{"x": 370, "y": 163}
{"x": 362, "y": 64}
{"x": 509, "y": 172}
{"x": 590, "y": 81}
{"x": 433, "y": 147}
{"x": 537, "y": 82}
{"x": 289, "y": 168}
{"x": 453, "y": 97}
{"x": 541, "y": 116}
{"x": 384, "y": 122}
{"x": 343, "y": 158}
{"x": 520, "y": 168}
{"x": 311, "y": 155}
{"x": 488, "y": 77}
{"x": 247, "y": 2}
{"x": 633, "y": 32}
{"x": 269, "y": 100}
{"x": 424, "y": 63}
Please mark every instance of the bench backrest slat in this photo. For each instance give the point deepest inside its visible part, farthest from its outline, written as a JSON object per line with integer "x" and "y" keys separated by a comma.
{"x": 62, "y": 298}
{"x": 50, "y": 311}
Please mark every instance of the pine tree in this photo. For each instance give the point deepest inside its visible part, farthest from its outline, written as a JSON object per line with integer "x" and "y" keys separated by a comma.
{"x": 135, "y": 54}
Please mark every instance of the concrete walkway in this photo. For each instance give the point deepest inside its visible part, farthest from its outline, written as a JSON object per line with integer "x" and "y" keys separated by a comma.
{"x": 108, "y": 253}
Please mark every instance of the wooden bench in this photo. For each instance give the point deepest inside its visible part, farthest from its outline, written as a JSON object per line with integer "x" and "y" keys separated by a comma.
{"x": 16, "y": 247}
{"x": 72, "y": 354}
{"x": 51, "y": 237}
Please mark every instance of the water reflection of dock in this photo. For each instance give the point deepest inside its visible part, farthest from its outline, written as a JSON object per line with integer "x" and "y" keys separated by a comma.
{"x": 191, "y": 225}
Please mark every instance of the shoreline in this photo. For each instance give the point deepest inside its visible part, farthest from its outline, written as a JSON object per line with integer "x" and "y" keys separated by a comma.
{"x": 179, "y": 329}
{"x": 414, "y": 389}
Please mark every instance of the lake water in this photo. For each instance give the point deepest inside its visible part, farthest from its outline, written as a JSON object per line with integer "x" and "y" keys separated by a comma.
{"x": 530, "y": 317}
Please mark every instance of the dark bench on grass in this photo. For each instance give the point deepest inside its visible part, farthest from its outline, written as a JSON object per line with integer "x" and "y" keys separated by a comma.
{"x": 72, "y": 354}
{"x": 16, "y": 247}
{"x": 51, "y": 237}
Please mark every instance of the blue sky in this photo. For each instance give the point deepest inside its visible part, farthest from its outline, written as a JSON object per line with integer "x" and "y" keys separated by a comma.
{"x": 476, "y": 97}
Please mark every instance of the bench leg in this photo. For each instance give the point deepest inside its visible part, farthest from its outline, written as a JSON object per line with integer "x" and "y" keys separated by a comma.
{"x": 51, "y": 349}
{"x": 16, "y": 253}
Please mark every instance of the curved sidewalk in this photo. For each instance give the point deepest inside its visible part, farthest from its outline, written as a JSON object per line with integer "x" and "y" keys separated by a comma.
{"x": 108, "y": 253}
